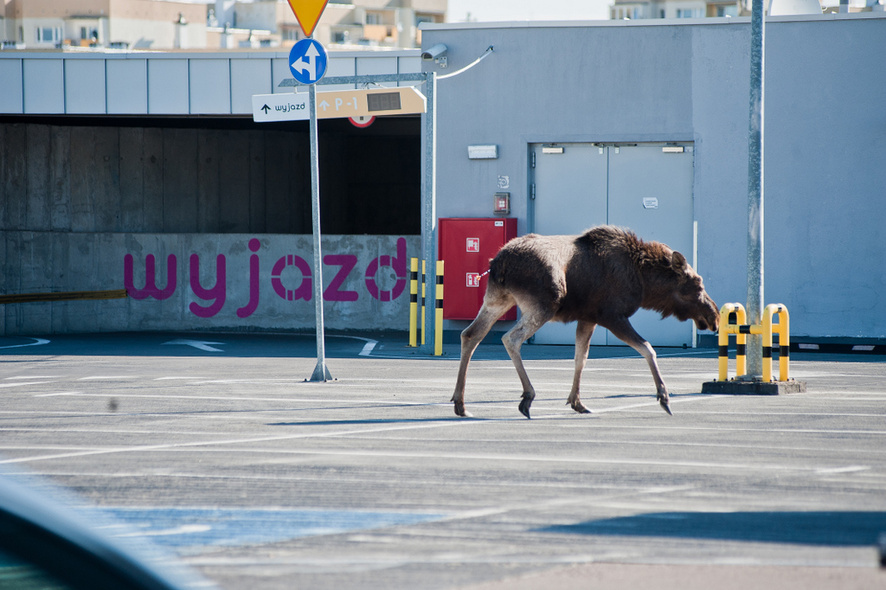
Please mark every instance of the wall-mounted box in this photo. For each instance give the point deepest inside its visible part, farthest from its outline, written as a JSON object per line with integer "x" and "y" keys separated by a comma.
{"x": 466, "y": 245}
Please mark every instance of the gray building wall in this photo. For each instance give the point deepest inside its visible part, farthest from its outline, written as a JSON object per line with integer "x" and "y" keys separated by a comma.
{"x": 825, "y": 133}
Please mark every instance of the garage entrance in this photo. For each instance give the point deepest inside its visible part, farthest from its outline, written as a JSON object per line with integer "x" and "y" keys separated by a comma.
{"x": 645, "y": 187}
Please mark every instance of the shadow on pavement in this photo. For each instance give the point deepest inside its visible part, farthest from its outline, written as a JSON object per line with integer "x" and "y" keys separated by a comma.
{"x": 844, "y": 529}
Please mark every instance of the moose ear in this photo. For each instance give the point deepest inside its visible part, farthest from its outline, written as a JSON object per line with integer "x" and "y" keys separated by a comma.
{"x": 678, "y": 261}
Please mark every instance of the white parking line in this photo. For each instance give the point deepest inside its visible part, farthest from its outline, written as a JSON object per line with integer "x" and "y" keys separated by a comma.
{"x": 36, "y": 342}
{"x": 141, "y": 448}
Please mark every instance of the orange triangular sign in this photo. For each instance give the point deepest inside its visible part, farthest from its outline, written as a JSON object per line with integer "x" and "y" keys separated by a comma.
{"x": 308, "y": 13}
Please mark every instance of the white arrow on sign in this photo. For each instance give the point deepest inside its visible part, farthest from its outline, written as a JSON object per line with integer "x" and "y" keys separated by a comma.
{"x": 198, "y": 344}
{"x": 308, "y": 63}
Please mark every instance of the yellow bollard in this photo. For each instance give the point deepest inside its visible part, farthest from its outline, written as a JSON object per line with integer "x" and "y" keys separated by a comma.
{"x": 740, "y": 340}
{"x": 413, "y": 302}
{"x": 424, "y": 282}
{"x": 766, "y": 328}
{"x": 438, "y": 310}
{"x": 782, "y": 328}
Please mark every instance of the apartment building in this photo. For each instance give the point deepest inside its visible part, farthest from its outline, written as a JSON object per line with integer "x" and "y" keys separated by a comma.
{"x": 366, "y": 23}
{"x": 136, "y": 24}
{"x": 643, "y": 9}
{"x": 209, "y": 24}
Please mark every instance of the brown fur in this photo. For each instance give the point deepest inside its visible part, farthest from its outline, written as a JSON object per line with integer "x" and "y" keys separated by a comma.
{"x": 601, "y": 277}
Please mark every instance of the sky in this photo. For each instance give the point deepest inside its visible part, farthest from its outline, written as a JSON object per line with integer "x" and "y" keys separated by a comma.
{"x": 508, "y": 10}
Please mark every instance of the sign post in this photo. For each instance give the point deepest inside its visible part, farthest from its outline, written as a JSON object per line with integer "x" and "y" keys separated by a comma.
{"x": 429, "y": 149}
{"x": 307, "y": 61}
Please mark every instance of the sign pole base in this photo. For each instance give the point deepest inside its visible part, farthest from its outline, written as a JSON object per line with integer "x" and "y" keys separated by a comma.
{"x": 321, "y": 372}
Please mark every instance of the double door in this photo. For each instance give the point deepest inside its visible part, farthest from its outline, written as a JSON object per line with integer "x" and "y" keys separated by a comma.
{"x": 646, "y": 188}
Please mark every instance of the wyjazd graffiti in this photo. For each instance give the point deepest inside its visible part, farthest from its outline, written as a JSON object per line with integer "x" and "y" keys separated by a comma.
{"x": 284, "y": 279}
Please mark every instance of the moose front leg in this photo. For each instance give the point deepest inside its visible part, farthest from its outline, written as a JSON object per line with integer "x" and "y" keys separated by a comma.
{"x": 625, "y": 332}
{"x": 662, "y": 391}
{"x": 583, "y": 333}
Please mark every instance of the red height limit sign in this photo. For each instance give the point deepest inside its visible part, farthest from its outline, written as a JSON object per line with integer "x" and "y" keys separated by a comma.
{"x": 307, "y": 12}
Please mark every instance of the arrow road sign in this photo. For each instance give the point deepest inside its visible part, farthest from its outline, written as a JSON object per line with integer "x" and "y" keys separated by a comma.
{"x": 307, "y": 61}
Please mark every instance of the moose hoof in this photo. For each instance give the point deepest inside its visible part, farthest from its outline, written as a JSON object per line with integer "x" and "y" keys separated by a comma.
{"x": 580, "y": 408}
{"x": 525, "y": 404}
{"x": 664, "y": 401}
{"x": 460, "y": 410}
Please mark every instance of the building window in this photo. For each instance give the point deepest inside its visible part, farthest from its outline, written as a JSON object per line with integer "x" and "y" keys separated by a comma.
{"x": 689, "y": 13}
{"x": 373, "y": 18}
{"x": 49, "y": 34}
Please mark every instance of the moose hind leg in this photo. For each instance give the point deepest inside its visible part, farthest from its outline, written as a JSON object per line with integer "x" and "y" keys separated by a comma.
{"x": 470, "y": 339}
{"x": 625, "y": 332}
{"x": 529, "y": 323}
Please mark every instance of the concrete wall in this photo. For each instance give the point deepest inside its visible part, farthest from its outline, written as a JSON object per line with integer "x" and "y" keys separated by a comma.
{"x": 126, "y": 175}
{"x": 675, "y": 81}
{"x": 129, "y": 176}
{"x": 232, "y": 281}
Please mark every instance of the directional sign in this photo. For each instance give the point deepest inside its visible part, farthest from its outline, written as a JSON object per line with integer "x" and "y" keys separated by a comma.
{"x": 307, "y": 12}
{"x": 307, "y": 61}
{"x": 370, "y": 103}
{"x": 267, "y": 108}
{"x": 332, "y": 105}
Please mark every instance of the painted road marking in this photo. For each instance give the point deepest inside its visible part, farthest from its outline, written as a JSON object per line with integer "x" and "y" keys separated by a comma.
{"x": 24, "y": 383}
{"x": 36, "y": 342}
{"x": 421, "y": 455}
{"x": 109, "y": 377}
{"x": 850, "y": 469}
{"x": 29, "y": 377}
{"x": 367, "y": 348}
{"x": 214, "y": 527}
{"x": 198, "y": 344}
{"x": 284, "y": 397}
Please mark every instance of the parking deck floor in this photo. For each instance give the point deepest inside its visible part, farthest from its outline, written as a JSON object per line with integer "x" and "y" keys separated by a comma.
{"x": 216, "y": 446}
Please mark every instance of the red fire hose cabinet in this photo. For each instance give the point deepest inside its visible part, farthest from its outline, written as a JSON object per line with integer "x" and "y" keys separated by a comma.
{"x": 466, "y": 245}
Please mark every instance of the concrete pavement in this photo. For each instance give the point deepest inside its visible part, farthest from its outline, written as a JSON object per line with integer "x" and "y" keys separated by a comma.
{"x": 263, "y": 480}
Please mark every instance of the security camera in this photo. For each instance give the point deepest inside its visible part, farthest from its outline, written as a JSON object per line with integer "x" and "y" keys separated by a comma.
{"x": 435, "y": 52}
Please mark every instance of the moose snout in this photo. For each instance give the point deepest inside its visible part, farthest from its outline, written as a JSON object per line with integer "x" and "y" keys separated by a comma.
{"x": 709, "y": 319}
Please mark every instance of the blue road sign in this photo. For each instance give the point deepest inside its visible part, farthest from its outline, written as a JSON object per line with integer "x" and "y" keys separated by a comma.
{"x": 307, "y": 61}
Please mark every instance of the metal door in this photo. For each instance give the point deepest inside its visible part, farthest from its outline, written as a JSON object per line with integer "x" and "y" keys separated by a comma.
{"x": 569, "y": 193}
{"x": 644, "y": 187}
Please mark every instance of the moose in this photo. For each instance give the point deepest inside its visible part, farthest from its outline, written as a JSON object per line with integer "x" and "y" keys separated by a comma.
{"x": 601, "y": 277}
